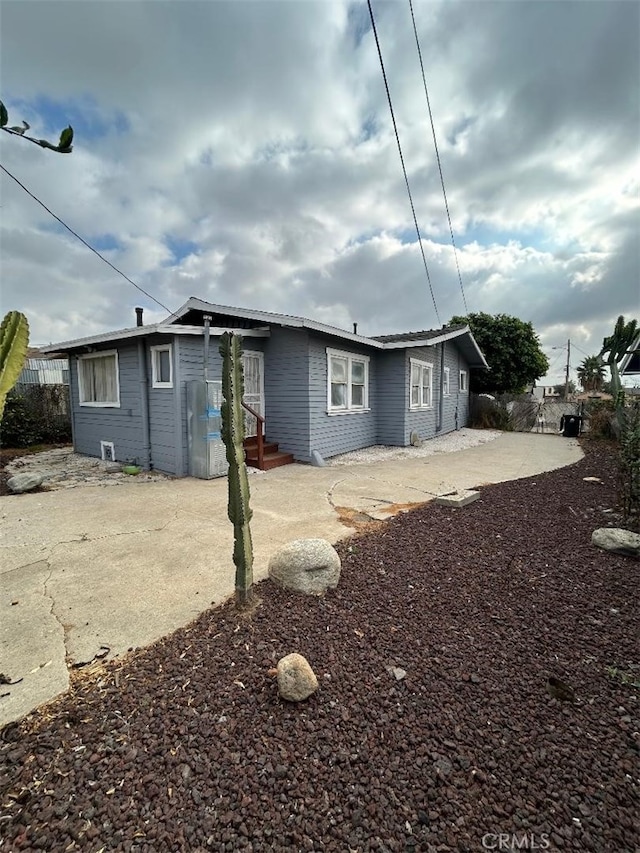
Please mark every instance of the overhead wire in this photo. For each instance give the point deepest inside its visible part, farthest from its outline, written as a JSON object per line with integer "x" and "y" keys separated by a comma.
{"x": 435, "y": 145}
{"x": 82, "y": 240}
{"x": 404, "y": 168}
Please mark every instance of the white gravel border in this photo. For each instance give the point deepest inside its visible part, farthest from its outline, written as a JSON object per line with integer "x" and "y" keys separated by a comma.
{"x": 462, "y": 439}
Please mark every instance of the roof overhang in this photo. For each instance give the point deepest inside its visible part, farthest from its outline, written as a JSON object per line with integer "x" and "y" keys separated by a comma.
{"x": 630, "y": 364}
{"x": 145, "y": 331}
{"x": 172, "y": 326}
{"x": 463, "y": 337}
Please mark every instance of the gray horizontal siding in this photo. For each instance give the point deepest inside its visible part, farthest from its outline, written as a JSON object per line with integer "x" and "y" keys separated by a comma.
{"x": 422, "y": 421}
{"x": 461, "y": 397}
{"x": 455, "y": 407}
{"x": 162, "y": 411}
{"x": 391, "y": 396}
{"x": 450, "y": 408}
{"x": 286, "y": 391}
{"x": 331, "y": 435}
{"x": 123, "y": 425}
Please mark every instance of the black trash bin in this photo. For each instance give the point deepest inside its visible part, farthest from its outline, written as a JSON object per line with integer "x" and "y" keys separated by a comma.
{"x": 571, "y": 425}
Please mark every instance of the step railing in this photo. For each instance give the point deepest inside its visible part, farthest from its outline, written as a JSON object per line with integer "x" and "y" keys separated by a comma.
{"x": 259, "y": 432}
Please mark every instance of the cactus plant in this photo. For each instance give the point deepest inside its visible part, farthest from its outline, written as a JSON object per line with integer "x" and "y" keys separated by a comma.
{"x": 233, "y": 436}
{"x": 14, "y": 340}
{"x": 614, "y": 348}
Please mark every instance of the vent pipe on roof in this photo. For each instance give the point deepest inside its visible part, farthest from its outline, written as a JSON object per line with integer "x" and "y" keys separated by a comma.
{"x": 355, "y": 328}
{"x": 139, "y": 316}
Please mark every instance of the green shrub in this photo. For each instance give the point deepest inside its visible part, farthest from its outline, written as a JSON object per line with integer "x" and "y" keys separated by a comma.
{"x": 629, "y": 465}
{"x": 19, "y": 427}
{"x": 36, "y": 414}
{"x": 489, "y": 414}
{"x": 600, "y": 414}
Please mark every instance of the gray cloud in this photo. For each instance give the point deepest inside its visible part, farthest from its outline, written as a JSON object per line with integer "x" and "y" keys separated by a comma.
{"x": 259, "y": 131}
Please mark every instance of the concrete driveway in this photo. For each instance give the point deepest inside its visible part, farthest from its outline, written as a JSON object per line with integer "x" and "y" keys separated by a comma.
{"x": 93, "y": 570}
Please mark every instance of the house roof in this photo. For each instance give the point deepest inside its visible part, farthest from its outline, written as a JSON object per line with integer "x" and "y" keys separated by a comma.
{"x": 630, "y": 364}
{"x": 255, "y": 324}
{"x": 427, "y": 335}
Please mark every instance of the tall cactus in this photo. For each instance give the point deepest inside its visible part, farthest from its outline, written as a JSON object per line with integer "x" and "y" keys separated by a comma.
{"x": 615, "y": 347}
{"x": 14, "y": 340}
{"x": 233, "y": 437}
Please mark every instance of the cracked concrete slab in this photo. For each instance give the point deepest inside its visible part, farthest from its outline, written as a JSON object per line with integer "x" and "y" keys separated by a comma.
{"x": 31, "y": 642}
{"x": 94, "y": 567}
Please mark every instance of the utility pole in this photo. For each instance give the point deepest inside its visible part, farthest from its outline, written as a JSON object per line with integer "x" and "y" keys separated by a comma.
{"x": 566, "y": 381}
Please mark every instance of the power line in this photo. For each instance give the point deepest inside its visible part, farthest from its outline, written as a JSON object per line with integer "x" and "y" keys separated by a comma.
{"x": 82, "y": 240}
{"x": 580, "y": 350}
{"x": 435, "y": 145}
{"x": 404, "y": 170}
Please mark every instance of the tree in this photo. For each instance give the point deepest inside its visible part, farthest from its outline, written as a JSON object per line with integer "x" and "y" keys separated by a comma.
{"x": 64, "y": 145}
{"x": 560, "y": 389}
{"x": 512, "y": 350}
{"x": 591, "y": 373}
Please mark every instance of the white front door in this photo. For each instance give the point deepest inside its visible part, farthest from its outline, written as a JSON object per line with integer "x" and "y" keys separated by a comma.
{"x": 253, "y": 364}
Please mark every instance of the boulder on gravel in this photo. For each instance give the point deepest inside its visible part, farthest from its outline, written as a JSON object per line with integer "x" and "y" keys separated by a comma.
{"x": 296, "y": 679}
{"x": 306, "y": 565}
{"x": 20, "y": 483}
{"x": 617, "y": 540}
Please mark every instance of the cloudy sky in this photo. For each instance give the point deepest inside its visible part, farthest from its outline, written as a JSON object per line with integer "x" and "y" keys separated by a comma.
{"x": 243, "y": 152}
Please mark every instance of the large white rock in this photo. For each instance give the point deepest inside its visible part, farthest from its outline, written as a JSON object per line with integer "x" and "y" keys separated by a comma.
{"x": 306, "y": 565}
{"x": 617, "y": 540}
{"x": 296, "y": 679}
{"x": 20, "y": 483}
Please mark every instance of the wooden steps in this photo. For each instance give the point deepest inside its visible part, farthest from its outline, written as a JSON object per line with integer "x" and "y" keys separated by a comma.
{"x": 272, "y": 457}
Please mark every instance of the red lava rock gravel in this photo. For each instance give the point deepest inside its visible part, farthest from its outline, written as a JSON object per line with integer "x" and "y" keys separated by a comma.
{"x": 185, "y": 746}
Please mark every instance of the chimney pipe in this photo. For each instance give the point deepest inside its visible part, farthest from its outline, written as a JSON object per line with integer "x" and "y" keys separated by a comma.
{"x": 355, "y": 328}
{"x": 139, "y": 316}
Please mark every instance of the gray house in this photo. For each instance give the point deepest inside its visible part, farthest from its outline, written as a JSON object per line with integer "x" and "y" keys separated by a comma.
{"x": 314, "y": 388}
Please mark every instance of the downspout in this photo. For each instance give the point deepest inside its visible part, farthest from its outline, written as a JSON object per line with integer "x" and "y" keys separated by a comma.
{"x": 458, "y": 390}
{"x": 441, "y": 400}
{"x": 144, "y": 400}
{"x": 71, "y": 396}
{"x": 207, "y": 323}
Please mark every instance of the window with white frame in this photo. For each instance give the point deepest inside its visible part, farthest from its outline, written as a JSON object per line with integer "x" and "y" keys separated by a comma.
{"x": 446, "y": 384}
{"x": 348, "y": 382}
{"x": 421, "y": 384}
{"x": 98, "y": 381}
{"x": 463, "y": 381}
{"x": 161, "y": 366}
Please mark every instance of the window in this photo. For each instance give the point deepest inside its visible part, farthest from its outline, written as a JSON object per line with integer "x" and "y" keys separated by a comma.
{"x": 348, "y": 385}
{"x": 463, "y": 380}
{"x": 98, "y": 379}
{"x": 446, "y": 383}
{"x": 161, "y": 366}
{"x": 421, "y": 376}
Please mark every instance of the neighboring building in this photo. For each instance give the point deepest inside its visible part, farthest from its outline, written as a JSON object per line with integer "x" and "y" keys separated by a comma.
{"x": 319, "y": 388}
{"x": 630, "y": 364}
{"x": 545, "y": 392}
{"x": 44, "y": 371}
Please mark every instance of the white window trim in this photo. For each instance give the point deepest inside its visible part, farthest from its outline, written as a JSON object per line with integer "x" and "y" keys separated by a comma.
{"x": 463, "y": 374}
{"x": 115, "y": 404}
{"x": 155, "y": 383}
{"x": 350, "y": 357}
{"x": 447, "y": 382}
{"x": 429, "y": 366}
